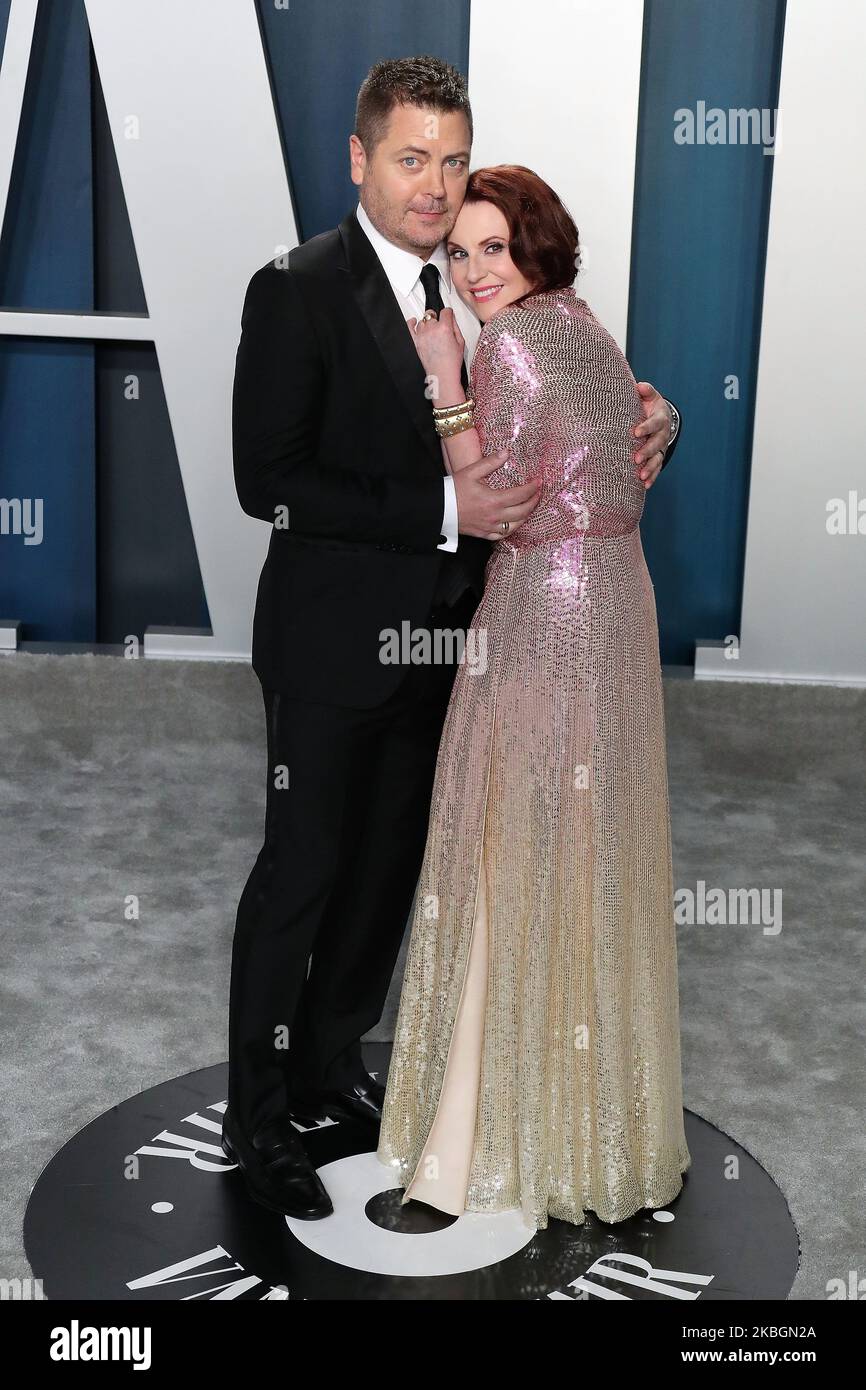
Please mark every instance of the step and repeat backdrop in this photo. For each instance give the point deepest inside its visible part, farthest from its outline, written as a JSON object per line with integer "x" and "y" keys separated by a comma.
{"x": 154, "y": 154}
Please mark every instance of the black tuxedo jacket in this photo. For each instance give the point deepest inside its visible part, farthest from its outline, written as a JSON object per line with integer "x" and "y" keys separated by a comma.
{"x": 334, "y": 443}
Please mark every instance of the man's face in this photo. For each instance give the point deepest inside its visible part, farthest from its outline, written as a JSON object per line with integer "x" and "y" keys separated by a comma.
{"x": 412, "y": 185}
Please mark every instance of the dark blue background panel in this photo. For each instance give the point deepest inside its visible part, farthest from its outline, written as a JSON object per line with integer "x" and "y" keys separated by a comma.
{"x": 698, "y": 254}
{"x": 148, "y": 573}
{"x": 318, "y": 55}
{"x": 47, "y": 434}
{"x": 5, "y": 6}
{"x": 46, "y": 385}
{"x": 46, "y": 250}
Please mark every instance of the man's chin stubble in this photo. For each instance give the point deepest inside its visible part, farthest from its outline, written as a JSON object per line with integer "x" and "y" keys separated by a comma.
{"x": 435, "y": 237}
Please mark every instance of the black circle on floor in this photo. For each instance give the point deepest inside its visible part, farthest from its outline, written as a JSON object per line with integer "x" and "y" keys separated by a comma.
{"x": 142, "y": 1205}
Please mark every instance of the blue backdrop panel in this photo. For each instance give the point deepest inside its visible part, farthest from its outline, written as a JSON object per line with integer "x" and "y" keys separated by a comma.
{"x": 46, "y": 386}
{"x": 148, "y": 573}
{"x": 319, "y": 55}
{"x": 695, "y": 309}
{"x": 47, "y": 429}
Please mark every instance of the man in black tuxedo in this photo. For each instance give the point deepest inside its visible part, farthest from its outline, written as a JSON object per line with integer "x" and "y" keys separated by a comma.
{"x": 335, "y": 446}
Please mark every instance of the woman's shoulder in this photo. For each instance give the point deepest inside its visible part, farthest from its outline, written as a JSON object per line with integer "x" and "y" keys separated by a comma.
{"x": 540, "y": 311}
{"x": 561, "y": 301}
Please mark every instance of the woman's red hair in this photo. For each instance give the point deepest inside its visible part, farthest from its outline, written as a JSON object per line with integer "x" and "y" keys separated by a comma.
{"x": 543, "y": 239}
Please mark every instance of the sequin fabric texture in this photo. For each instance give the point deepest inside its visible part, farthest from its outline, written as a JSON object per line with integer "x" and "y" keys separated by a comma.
{"x": 552, "y": 764}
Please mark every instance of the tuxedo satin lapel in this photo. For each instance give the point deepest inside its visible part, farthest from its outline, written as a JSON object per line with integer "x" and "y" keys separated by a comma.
{"x": 376, "y": 301}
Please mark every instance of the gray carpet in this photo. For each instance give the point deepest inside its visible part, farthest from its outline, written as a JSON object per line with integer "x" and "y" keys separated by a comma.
{"x": 124, "y": 778}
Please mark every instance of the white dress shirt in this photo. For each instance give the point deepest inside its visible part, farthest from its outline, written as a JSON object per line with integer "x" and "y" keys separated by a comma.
{"x": 403, "y": 270}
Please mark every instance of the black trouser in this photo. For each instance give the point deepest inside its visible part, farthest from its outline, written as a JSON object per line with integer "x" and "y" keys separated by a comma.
{"x": 335, "y": 877}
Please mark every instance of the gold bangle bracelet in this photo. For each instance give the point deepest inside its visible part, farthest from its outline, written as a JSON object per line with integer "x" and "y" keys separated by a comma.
{"x": 454, "y": 415}
{"x": 442, "y": 412}
{"x": 456, "y": 425}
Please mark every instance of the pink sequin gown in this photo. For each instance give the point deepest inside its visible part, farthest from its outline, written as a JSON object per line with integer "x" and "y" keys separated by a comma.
{"x": 536, "y": 1061}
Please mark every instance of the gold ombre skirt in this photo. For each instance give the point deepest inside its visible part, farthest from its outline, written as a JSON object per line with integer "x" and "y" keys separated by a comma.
{"x": 536, "y": 1059}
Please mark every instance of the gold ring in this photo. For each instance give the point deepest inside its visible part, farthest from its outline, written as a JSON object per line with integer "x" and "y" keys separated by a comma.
{"x": 430, "y": 314}
{"x": 505, "y": 527}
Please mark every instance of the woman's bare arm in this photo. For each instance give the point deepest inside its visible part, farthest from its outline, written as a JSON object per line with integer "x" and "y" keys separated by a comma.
{"x": 440, "y": 346}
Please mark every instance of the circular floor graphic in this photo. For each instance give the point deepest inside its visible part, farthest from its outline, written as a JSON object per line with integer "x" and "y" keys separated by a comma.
{"x": 142, "y": 1205}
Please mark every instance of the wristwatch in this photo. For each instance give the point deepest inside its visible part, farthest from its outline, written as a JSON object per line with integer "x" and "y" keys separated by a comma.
{"x": 675, "y": 423}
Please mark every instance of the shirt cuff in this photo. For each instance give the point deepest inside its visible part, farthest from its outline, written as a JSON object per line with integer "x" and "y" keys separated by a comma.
{"x": 449, "y": 518}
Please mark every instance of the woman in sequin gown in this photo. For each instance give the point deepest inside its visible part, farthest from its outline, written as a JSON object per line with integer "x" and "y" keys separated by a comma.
{"x": 536, "y": 1060}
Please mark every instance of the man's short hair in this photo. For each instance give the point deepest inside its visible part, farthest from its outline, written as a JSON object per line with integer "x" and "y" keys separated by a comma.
{"x": 423, "y": 81}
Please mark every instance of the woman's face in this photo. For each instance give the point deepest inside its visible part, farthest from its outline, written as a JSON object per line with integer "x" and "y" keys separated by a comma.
{"x": 482, "y": 271}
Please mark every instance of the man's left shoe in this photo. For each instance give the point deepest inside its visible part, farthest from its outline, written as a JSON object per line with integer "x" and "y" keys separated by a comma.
{"x": 362, "y": 1102}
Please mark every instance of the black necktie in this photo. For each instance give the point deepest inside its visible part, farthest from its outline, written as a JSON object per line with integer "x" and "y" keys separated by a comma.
{"x": 433, "y": 300}
{"x": 454, "y": 575}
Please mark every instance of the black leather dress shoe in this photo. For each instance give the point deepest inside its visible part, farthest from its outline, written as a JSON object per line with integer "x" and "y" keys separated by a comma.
{"x": 277, "y": 1170}
{"x": 361, "y": 1102}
